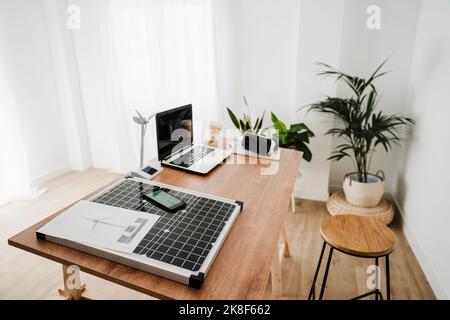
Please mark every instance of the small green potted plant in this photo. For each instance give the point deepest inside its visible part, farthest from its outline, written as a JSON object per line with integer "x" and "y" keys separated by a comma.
{"x": 296, "y": 137}
{"x": 244, "y": 124}
{"x": 362, "y": 129}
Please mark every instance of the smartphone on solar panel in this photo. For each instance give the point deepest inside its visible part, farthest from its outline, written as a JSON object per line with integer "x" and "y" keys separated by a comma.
{"x": 164, "y": 200}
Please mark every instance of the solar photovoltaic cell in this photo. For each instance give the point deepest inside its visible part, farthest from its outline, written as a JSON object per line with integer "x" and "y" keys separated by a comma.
{"x": 183, "y": 239}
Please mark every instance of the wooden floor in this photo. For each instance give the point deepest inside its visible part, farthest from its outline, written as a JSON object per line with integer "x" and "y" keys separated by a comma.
{"x": 26, "y": 276}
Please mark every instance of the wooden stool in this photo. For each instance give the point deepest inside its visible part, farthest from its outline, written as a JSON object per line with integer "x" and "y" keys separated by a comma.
{"x": 357, "y": 236}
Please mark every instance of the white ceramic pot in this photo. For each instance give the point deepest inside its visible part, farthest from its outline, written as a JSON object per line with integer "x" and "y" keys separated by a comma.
{"x": 364, "y": 194}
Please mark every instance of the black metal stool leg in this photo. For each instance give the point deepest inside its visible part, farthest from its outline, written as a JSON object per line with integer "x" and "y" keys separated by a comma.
{"x": 377, "y": 291}
{"x": 312, "y": 291}
{"x": 377, "y": 280}
{"x": 388, "y": 279}
{"x": 325, "y": 276}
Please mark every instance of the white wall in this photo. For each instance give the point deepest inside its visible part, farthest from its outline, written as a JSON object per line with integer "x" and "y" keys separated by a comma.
{"x": 30, "y": 69}
{"x": 257, "y": 55}
{"x": 319, "y": 40}
{"x": 423, "y": 178}
{"x": 363, "y": 50}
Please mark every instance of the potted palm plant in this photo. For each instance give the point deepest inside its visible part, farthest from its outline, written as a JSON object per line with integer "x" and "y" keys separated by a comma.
{"x": 362, "y": 129}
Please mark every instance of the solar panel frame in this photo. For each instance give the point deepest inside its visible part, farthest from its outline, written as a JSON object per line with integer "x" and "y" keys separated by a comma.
{"x": 162, "y": 268}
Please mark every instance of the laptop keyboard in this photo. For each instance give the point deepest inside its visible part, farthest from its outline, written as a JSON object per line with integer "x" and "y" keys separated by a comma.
{"x": 189, "y": 158}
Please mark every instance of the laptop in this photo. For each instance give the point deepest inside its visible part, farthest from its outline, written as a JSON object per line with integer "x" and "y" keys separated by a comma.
{"x": 175, "y": 140}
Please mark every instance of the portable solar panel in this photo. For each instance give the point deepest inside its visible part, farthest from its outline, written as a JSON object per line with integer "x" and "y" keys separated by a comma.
{"x": 180, "y": 246}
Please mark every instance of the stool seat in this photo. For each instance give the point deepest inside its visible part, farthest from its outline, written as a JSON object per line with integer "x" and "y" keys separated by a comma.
{"x": 358, "y": 235}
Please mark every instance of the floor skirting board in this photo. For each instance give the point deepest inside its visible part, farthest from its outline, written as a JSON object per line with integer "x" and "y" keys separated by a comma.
{"x": 50, "y": 175}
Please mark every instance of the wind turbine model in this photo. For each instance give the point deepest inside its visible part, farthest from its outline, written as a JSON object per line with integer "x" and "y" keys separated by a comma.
{"x": 143, "y": 122}
{"x": 147, "y": 172}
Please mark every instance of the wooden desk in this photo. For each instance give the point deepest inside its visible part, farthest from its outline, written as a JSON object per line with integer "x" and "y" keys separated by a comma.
{"x": 241, "y": 269}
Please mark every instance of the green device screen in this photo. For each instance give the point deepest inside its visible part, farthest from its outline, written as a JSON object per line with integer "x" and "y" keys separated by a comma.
{"x": 164, "y": 200}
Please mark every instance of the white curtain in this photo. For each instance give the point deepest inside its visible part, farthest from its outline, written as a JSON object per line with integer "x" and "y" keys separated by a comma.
{"x": 14, "y": 173}
{"x": 148, "y": 55}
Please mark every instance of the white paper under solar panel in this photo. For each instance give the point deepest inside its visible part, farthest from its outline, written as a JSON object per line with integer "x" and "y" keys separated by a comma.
{"x": 101, "y": 226}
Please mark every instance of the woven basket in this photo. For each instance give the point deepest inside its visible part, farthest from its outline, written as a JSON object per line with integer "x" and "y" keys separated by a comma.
{"x": 383, "y": 212}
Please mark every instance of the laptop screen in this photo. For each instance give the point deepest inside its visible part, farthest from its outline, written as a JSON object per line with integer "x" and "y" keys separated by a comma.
{"x": 173, "y": 130}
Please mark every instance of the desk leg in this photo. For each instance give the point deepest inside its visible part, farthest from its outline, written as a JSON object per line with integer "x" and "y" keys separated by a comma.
{"x": 73, "y": 289}
{"x": 292, "y": 202}
{"x": 284, "y": 240}
{"x": 282, "y": 250}
{"x": 277, "y": 283}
